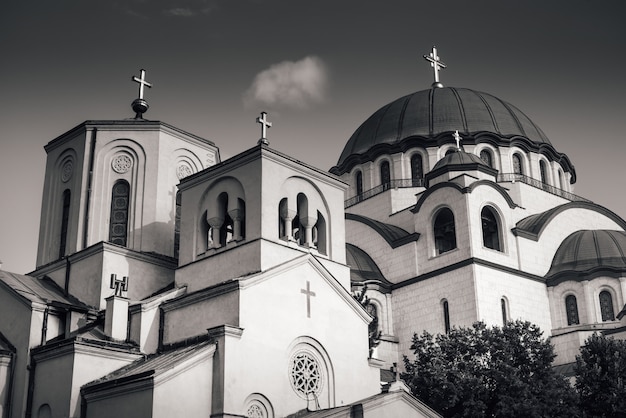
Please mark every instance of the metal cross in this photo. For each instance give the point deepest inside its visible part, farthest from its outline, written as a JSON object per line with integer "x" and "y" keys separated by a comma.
{"x": 457, "y": 138}
{"x": 308, "y": 294}
{"x": 264, "y": 125}
{"x": 435, "y": 63}
{"x": 142, "y": 82}
{"x": 119, "y": 285}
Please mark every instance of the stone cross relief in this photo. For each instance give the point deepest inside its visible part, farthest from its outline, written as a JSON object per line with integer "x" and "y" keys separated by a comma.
{"x": 308, "y": 294}
{"x": 457, "y": 138}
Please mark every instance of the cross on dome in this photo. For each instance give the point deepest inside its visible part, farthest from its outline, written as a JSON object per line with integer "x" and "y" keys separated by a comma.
{"x": 457, "y": 138}
{"x": 436, "y": 64}
{"x": 264, "y": 125}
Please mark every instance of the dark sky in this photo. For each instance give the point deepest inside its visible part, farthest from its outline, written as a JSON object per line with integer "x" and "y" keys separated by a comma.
{"x": 319, "y": 68}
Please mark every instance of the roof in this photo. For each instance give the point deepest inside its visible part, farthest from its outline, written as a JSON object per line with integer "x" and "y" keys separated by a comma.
{"x": 459, "y": 158}
{"x": 362, "y": 267}
{"x": 587, "y": 251}
{"x": 394, "y": 235}
{"x": 32, "y": 289}
{"x": 427, "y": 114}
{"x": 153, "y": 365}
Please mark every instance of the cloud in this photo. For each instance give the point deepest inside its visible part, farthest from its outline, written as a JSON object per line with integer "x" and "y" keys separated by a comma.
{"x": 297, "y": 84}
{"x": 148, "y": 9}
{"x": 180, "y": 12}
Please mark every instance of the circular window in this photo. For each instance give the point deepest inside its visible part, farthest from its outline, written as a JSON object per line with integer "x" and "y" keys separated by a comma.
{"x": 306, "y": 375}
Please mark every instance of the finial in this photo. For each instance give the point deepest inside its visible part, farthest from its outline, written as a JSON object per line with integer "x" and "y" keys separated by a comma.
{"x": 264, "y": 125}
{"x": 140, "y": 106}
{"x": 436, "y": 64}
{"x": 457, "y": 138}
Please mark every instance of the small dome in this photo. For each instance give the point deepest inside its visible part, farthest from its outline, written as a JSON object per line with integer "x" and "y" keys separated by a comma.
{"x": 459, "y": 158}
{"x": 425, "y": 115}
{"x": 586, "y": 251}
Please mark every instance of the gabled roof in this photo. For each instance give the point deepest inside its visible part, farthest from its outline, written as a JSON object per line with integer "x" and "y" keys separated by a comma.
{"x": 150, "y": 366}
{"x": 31, "y": 289}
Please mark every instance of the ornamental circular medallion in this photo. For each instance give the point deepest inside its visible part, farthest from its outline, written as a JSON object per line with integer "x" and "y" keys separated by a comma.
{"x": 67, "y": 170}
{"x": 255, "y": 411}
{"x": 121, "y": 164}
{"x": 183, "y": 170}
{"x": 306, "y": 375}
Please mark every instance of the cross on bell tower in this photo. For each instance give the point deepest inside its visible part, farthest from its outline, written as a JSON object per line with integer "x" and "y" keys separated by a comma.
{"x": 140, "y": 106}
{"x": 437, "y": 64}
{"x": 265, "y": 124}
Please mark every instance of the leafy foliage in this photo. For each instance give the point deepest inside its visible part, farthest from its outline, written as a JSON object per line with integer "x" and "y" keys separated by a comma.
{"x": 373, "y": 331}
{"x": 486, "y": 372}
{"x": 600, "y": 377}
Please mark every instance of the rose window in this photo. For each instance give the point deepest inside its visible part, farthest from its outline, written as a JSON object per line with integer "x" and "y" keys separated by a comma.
{"x": 121, "y": 164}
{"x": 255, "y": 411}
{"x": 306, "y": 375}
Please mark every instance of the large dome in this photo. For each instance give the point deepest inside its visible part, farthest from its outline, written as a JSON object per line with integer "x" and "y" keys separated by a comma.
{"x": 425, "y": 115}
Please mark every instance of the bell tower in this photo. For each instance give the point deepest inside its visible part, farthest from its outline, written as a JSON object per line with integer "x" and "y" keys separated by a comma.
{"x": 111, "y": 187}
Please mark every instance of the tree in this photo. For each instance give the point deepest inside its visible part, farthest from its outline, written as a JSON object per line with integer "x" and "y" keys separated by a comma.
{"x": 485, "y": 372}
{"x": 600, "y": 377}
{"x": 373, "y": 331}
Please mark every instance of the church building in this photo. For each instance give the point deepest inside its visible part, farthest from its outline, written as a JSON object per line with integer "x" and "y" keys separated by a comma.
{"x": 171, "y": 283}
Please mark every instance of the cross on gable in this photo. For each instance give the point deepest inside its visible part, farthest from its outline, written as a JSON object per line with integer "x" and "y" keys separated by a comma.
{"x": 308, "y": 294}
{"x": 264, "y": 125}
{"x": 435, "y": 63}
{"x": 119, "y": 285}
{"x": 142, "y": 82}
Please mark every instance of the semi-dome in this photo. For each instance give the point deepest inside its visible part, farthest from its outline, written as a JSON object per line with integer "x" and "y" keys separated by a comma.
{"x": 426, "y": 115}
{"x": 590, "y": 251}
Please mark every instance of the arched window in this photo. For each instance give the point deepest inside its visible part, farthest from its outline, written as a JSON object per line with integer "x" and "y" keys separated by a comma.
{"x": 177, "y": 225}
{"x": 446, "y": 315}
{"x": 571, "y": 309}
{"x": 518, "y": 167}
{"x": 561, "y": 181}
{"x": 450, "y": 151}
{"x": 606, "y": 306}
{"x": 319, "y": 234}
{"x": 359, "y": 183}
{"x": 491, "y": 233}
{"x": 417, "y": 170}
{"x": 485, "y": 155}
{"x": 444, "y": 231}
{"x": 373, "y": 311}
{"x": 65, "y": 217}
{"x": 118, "y": 224}
{"x": 385, "y": 175}
{"x": 504, "y": 308}
{"x": 543, "y": 171}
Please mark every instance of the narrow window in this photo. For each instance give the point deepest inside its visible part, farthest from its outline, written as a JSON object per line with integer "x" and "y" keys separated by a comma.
{"x": 543, "y": 172}
{"x": 417, "y": 170}
{"x": 359, "y": 183}
{"x": 571, "y": 309}
{"x": 517, "y": 164}
{"x": 444, "y": 231}
{"x": 385, "y": 175}
{"x": 606, "y": 306}
{"x": 505, "y": 315}
{"x": 65, "y": 217}
{"x": 446, "y": 316}
{"x": 118, "y": 225}
{"x": 561, "y": 181}
{"x": 491, "y": 234}
{"x": 226, "y": 229}
{"x": 485, "y": 155}
{"x": 177, "y": 225}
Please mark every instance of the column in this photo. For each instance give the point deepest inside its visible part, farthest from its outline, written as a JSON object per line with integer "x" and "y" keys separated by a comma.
{"x": 216, "y": 224}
